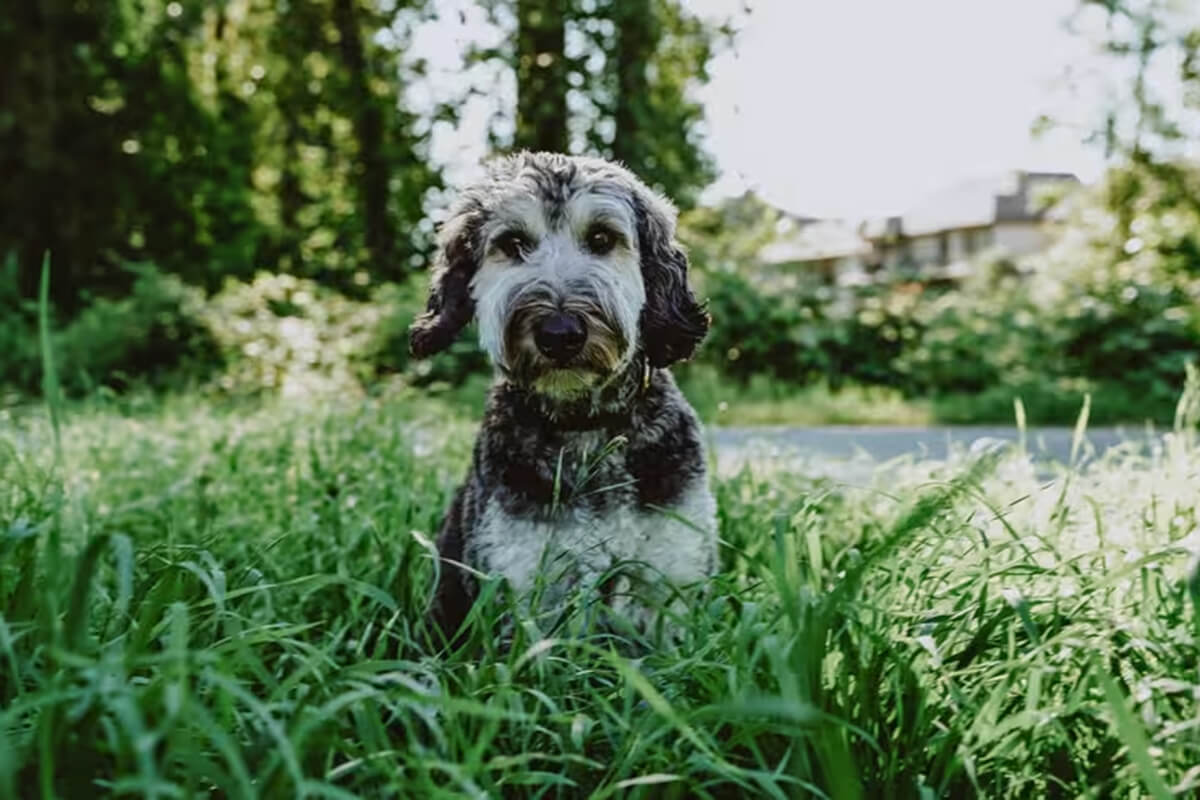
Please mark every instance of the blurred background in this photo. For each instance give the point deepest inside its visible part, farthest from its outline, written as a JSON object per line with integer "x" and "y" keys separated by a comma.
{"x": 901, "y": 213}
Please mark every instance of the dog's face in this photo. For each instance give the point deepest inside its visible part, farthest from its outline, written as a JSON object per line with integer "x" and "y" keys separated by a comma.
{"x": 558, "y": 291}
{"x": 570, "y": 266}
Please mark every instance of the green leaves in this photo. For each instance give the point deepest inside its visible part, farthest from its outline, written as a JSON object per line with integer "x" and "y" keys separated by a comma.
{"x": 212, "y": 142}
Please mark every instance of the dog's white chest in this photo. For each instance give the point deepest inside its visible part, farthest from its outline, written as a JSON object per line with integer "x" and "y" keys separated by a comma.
{"x": 577, "y": 546}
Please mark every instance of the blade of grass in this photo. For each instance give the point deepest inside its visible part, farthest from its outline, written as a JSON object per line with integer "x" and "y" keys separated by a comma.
{"x": 51, "y": 389}
{"x": 1132, "y": 736}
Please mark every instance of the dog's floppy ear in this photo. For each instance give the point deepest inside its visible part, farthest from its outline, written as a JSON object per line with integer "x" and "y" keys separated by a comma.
{"x": 450, "y": 306}
{"x": 672, "y": 322}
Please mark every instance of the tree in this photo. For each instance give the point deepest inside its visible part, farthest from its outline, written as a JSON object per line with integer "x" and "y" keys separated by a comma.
{"x": 612, "y": 78}
{"x": 213, "y": 140}
{"x": 1152, "y": 50}
{"x": 338, "y": 178}
{"x": 107, "y": 149}
{"x": 541, "y": 66}
{"x": 657, "y": 52}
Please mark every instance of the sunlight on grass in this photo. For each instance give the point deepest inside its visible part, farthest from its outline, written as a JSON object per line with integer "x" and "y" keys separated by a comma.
{"x": 762, "y": 401}
{"x": 229, "y": 600}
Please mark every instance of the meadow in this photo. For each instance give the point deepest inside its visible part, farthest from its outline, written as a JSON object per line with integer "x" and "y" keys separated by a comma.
{"x": 227, "y": 600}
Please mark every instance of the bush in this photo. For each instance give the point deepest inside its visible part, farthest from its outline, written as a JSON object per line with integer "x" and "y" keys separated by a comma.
{"x": 277, "y": 333}
{"x": 805, "y": 335}
{"x": 291, "y": 335}
{"x": 1113, "y": 309}
{"x": 387, "y": 350}
{"x": 983, "y": 335}
{"x": 1119, "y": 296}
{"x": 155, "y": 335}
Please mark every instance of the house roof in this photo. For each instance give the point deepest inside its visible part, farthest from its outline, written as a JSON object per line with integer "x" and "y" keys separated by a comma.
{"x": 1012, "y": 196}
{"x": 815, "y": 240}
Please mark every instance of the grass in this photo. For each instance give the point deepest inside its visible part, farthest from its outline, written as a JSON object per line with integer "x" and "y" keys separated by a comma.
{"x": 764, "y": 401}
{"x": 197, "y": 600}
{"x": 722, "y": 401}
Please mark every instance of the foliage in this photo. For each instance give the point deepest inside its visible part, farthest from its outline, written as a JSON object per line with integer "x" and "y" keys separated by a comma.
{"x": 655, "y": 52}
{"x": 613, "y": 79}
{"x": 107, "y": 150}
{"x": 1101, "y": 312}
{"x": 211, "y": 140}
{"x": 387, "y": 352}
{"x": 984, "y": 334}
{"x": 290, "y": 335}
{"x": 1150, "y": 76}
{"x": 205, "y": 600}
{"x": 1113, "y": 309}
{"x": 1128, "y": 306}
{"x": 153, "y": 336}
{"x": 727, "y": 237}
{"x": 275, "y": 334}
{"x": 804, "y": 336}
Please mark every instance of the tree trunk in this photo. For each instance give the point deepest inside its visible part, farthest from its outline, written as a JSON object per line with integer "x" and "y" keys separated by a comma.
{"x": 374, "y": 171}
{"x": 541, "y": 75}
{"x": 635, "y": 42}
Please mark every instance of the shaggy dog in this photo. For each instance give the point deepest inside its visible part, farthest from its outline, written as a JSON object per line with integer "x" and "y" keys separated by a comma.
{"x": 589, "y": 470}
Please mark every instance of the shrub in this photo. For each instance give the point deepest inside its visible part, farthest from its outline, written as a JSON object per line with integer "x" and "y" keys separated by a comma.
{"x": 154, "y": 335}
{"x": 806, "y": 334}
{"x": 1119, "y": 296}
{"x": 277, "y": 333}
{"x": 290, "y": 335}
{"x": 983, "y": 335}
{"x": 387, "y": 351}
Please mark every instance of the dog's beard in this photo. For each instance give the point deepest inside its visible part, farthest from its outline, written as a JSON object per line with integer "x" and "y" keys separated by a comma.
{"x": 604, "y": 353}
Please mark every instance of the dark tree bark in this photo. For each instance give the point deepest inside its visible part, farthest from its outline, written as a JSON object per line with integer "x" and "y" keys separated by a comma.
{"x": 636, "y": 38}
{"x": 374, "y": 173}
{"x": 541, "y": 75}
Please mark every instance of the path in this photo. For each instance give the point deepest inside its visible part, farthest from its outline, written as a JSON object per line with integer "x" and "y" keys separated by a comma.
{"x": 853, "y": 451}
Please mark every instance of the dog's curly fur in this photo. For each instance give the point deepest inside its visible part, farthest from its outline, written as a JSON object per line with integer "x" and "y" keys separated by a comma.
{"x": 589, "y": 469}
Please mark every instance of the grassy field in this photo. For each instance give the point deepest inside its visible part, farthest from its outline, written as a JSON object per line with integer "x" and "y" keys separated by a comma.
{"x": 228, "y": 602}
{"x": 764, "y": 401}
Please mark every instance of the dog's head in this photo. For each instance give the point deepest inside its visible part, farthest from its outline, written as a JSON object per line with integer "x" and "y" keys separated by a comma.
{"x": 572, "y": 268}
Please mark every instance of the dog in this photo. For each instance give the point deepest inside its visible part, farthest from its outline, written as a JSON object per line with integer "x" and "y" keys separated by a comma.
{"x": 589, "y": 470}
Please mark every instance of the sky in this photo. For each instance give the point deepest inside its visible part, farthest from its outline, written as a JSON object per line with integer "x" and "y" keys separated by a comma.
{"x": 859, "y": 107}
{"x": 845, "y": 108}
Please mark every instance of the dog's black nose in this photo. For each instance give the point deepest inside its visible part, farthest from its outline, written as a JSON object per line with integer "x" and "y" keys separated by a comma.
{"x": 559, "y": 337}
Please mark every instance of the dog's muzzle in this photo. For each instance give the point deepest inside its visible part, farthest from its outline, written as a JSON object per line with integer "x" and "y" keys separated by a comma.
{"x": 560, "y": 336}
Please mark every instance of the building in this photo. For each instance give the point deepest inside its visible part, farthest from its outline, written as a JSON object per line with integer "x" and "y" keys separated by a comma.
{"x": 1005, "y": 214}
{"x": 827, "y": 251}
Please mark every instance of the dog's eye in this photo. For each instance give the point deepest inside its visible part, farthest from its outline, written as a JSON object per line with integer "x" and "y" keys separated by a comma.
{"x": 513, "y": 244}
{"x": 600, "y": 240}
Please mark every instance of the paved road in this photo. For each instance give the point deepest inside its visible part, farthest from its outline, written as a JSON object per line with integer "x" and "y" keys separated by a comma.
{"x": 886, "y": 443}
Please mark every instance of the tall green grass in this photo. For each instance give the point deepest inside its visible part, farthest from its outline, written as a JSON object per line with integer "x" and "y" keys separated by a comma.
{"x": 228, "y": 602}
